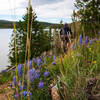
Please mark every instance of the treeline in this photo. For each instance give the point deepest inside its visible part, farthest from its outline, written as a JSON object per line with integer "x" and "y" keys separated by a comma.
{"x": 86, "y": 19}
{"x": 9, "y": 24}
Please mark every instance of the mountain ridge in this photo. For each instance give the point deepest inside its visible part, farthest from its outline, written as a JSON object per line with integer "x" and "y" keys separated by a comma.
{"x": 9, "y": 24}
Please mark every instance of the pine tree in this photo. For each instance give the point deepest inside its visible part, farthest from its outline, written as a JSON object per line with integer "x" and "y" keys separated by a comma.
{"x": 40, "y": 40}
{"x": 89, "y": 15}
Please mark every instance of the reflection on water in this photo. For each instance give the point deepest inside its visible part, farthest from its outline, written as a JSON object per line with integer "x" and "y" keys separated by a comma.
{"x": 5, "y": 35}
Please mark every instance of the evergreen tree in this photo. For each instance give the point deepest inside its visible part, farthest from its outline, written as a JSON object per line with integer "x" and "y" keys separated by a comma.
{"x": 89, "y": 15}
{"x": 40, "y": 40}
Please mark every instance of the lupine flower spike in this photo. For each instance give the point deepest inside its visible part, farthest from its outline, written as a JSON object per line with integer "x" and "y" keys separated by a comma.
{"x": 80, "y": 39}
{"x": 38, "y": 62}
{"x": 24, "y": 93}
{"x": 37, "y": 74}
{"x": 14, "y": 80}
{"x": 19, "y": 69}
{"x": 91, "y": 42}
{"x": 86, "y": 39}
{"x": 54, "y": 63}
{"x": 41, "y": 84}
{"x": 31, "y": 75}
{"x": 46, "y": 73}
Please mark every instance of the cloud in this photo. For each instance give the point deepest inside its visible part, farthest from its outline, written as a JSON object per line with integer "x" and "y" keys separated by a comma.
{"x": 51, "y": 10}
{"x": 59, "y": 10}
{"x": 43, "y": 2}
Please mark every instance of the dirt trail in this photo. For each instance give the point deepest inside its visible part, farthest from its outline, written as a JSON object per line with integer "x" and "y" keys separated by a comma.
{"x": 6, "y": 92}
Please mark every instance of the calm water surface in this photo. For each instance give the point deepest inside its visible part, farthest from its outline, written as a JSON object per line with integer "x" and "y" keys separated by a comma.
{"x": 5, "y": 35}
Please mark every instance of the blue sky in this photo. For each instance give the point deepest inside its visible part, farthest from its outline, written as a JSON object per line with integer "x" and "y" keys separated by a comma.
{"x": 47, "y": 10}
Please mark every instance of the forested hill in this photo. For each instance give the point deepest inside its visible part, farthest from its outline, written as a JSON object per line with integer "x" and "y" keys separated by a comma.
{"x": 9, "y": 24}
{"x": 6, "y": 24}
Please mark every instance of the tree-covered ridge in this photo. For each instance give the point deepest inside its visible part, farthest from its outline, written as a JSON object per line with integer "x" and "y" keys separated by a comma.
{"x": 9, "y": 24}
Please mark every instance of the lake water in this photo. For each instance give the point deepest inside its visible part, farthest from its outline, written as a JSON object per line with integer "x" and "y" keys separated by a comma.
{"x": 5, "y": 35}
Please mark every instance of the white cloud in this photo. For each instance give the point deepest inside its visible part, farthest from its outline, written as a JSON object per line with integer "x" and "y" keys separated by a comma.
{"x": 54, "y": 10}
{"x": 57, "y": 10}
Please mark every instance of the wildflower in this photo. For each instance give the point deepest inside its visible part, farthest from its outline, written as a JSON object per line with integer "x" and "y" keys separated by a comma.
{"x": 30, "y": 64}
{"x": 41, "y": 84}
{"x": 14, "y": 80}
{"x": 46, "y": 74}
{"x": 86, "y": 39}
{"x": 38, "y": 62}
{"x": 91, "y": 42}
{"x": 80, "y": 39}
{"x": 31, "y": 75}
{"x": 25, "y": 93}
{"x": 54, "y": 57}
{"x": 75, "y": 45}
{"x": 22, "y": 87}
{"x": 99, "y": 39}
{"x": 94, "y": 62}
{"x": 19, "y": 69}
{"x": 54, "y": 63}
{"x": 15, "y": 96}
{"x": 34, "y": 60}
{"x": 45, "y": 61}
{"x": 96, "y": 39}
{"x": 37, "y": 74}
{"x": 30, "y": 93}
{"x": 10, "y": 85}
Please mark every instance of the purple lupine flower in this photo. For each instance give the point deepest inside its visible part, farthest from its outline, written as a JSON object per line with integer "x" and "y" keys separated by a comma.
{"x": 91, "y": 42}
{"x": 54, "y": 62}
{"x": 41, "y": 84}
{"x": 25, "y": 93}
{"x": 10, "y": 85}
{"x": 22, "y": 87}
{"x": 75, "y": 45}
{"x": 14, "y": 80}
{"x": 34, "y": 60}
{"x": 46, "y": 73}
{"x": 96, "y": 39}
{"x": 15, "y": 96}
{"x": 19, "y": 69}
{"x": 45, "y": 61}
{"x": 37, "y": 74}
{"x": 80, "y": 39}
{"x": 30, "y": 93}
{"x": 31, "y": 75}
{"x": 30, "y": 64}
{"x": 99, "y": 39}
{"x": 38, "y": 62}
{"x": 86, "y": 39}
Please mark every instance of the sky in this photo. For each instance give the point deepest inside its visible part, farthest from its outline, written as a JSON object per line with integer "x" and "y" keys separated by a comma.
{"x": 46, "y": 10}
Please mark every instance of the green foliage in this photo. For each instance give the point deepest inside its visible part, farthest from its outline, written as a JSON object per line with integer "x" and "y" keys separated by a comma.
{"x": 89, "y": 15}
{"x": 79, "y": 66}
{"x": 40, "y": 40}
{"x": 42, "y": 93}
{"x": 5, "y": 77}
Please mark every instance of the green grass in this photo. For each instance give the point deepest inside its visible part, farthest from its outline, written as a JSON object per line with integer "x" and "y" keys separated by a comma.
{"x": 5, "y": 77}
{"x": 79, "y": 66}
